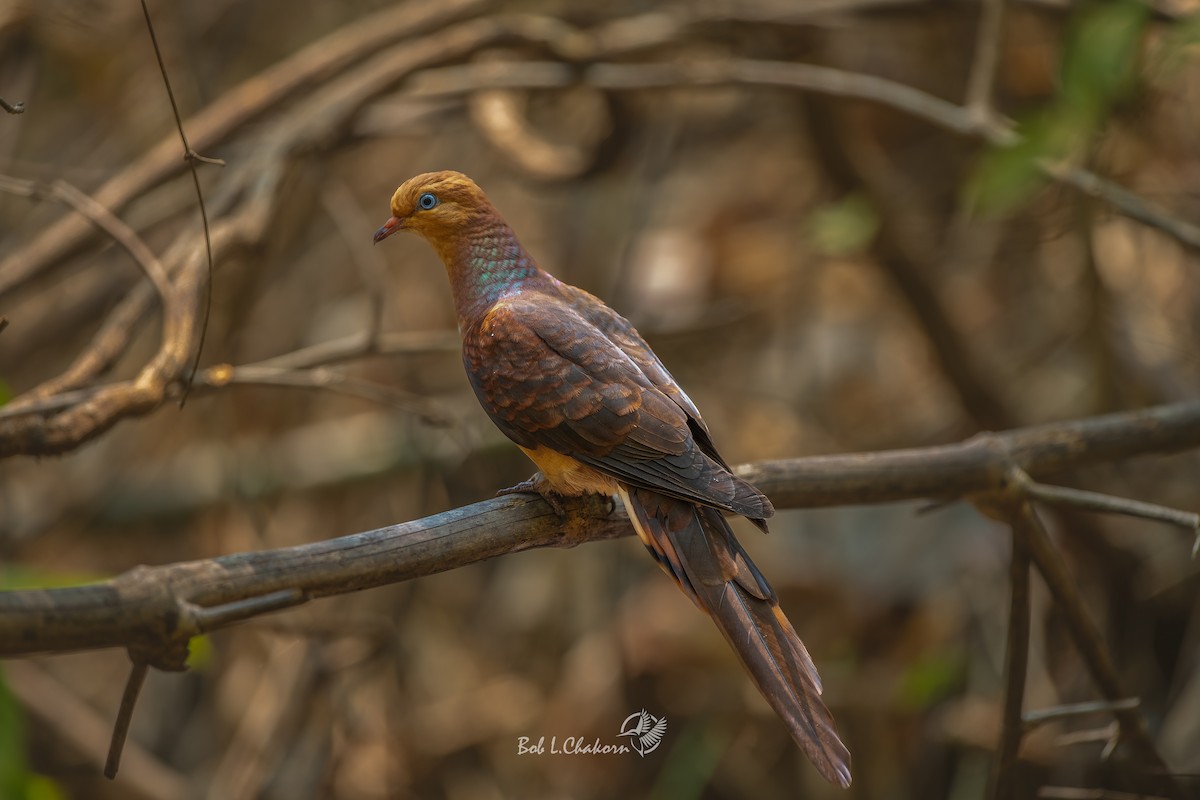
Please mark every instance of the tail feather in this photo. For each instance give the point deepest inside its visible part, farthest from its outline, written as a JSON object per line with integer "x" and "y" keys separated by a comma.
{"x": 695, "y": 546}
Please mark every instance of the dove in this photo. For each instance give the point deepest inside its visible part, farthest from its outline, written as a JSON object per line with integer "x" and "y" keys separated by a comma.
{"x": 574, "y": 386}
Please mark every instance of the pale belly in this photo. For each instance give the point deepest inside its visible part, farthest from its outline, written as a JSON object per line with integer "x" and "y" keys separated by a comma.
{"x": 568, "y": 477}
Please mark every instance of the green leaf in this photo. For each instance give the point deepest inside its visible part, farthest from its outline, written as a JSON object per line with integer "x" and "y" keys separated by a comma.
{"x": 1101, "y": 57}
{"x": 690, "y": 763}
{"x": 843, "y": 227}
{"x": 13, "y": 774}
{"x": 1008, "y": 176}
{"x": 39, "y": 787}
{"x": 1099, "y": 68}
{"x": 932, "y": 678}
{"x": 200, "y": 652}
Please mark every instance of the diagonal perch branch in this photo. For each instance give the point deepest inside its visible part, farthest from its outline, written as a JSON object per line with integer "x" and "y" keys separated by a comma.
{"x": 154, "y": 611}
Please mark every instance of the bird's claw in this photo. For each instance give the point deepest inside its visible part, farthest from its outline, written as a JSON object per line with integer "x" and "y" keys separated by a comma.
{"x": 537, "y": 485}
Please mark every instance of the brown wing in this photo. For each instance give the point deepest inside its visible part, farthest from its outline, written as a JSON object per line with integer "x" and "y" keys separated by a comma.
{"x": 622, "y": 333}
{"x": 549, "y": 377}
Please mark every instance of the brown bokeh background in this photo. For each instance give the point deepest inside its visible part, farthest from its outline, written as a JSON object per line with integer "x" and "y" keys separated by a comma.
{"x": 813, "y": 269}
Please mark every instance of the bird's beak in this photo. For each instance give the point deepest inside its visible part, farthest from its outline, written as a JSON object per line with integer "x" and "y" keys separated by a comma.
{"x": 391, "y": 226}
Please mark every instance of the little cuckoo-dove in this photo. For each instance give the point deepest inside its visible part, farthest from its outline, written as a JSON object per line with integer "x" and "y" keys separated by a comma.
{"x": 581, "y": 393}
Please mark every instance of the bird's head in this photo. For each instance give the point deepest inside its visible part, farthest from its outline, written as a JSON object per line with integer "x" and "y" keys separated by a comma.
{"x": 437, "y": 205}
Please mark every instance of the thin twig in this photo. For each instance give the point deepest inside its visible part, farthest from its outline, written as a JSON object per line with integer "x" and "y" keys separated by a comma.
{"x": 1073, "y": 793}
{"x": 310, "y": 66}
{"x": 79, "y": 728}
{"x": 334, "y": 351}
{"x": 983, "y": 68}
{"x": 324, "y": 379}
{"x": 1108, "y": 504}
{"x": 1125, "y": 201}
{"x": 1110, "y": 734}
{"x": 133, "y": 687}
{"x": 213, "y": 618}
{"x": 360, "y": 345}
{"x": 1016, "y": 665}
{"x": 1089, "y": 642}
{"x": 469, "y": 78}
{"x": 12, "y": 108}
{"x": 347, "y": 215}
{"x": 1041, "y": 716}
{"x": 191, "y": 156}
{"x": 102, "y": 218}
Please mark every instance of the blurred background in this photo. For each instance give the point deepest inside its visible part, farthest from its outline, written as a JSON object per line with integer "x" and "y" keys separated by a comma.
{"x": 822, "y": 273}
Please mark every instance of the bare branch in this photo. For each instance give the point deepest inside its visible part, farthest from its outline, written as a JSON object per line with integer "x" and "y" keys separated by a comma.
{"x": 299, "y": 369}
{"x": 1072, "y": 793}
{"x": 1107, "y": 504}
{"x": 1041, "y": 716}
{"x": 325, "y": 379}
{"x": 191, "y": 157}
{"x": 803, "y": 77}
{"x": 1110, "y": 734}
{"x": 103, "y": 219}
{"x": 1125, "y": 201}
{"x": 12, "y": 108}
{"x": 159, "y": 608}
{"x": 1089, "y": 642}
{"x": 342, "y": 207}
{"x": 244, "y": 103}
{"x": 360, "y": 345}
{"x": 1016, "y": 664}
{"x": 983, "y": 68}
{"x": 956, "y": 470}
{"x": 133, "y": 687}
{"x": 78, "y": 726}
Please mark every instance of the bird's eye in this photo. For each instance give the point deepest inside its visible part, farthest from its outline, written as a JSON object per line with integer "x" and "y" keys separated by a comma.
{"x": 427, "y": 201}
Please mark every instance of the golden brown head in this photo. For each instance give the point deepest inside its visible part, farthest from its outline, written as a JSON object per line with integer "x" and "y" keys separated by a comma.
{"x": 437, "y": 205}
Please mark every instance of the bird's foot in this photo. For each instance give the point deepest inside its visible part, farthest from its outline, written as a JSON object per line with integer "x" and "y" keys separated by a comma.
{"x": 539, "y": 486}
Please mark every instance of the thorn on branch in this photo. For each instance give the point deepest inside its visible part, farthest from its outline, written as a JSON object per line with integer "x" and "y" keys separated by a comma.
{"x": 12, "y": 108}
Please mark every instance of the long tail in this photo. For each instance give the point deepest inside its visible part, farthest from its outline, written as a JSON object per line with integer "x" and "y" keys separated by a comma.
{"x": 695, "y": 546}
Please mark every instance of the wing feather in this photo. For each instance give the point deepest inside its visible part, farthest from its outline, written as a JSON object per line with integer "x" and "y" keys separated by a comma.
{"x": 549, "y": 376}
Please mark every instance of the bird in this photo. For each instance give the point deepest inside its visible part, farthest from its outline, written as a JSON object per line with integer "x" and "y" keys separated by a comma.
{"x": 574, "y": 385}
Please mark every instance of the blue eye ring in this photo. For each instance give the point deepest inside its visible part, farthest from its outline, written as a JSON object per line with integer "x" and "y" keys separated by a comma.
{"x": 427, "y": 200}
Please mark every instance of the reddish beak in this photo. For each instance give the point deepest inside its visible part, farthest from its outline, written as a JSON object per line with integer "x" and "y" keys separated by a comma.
{"x": 391, "y": 226}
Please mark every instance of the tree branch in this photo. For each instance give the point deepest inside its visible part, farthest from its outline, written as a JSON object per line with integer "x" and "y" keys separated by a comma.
{"x": 1090, "y": 643}
{"x": 241, "y": 105}
{"x": 1016, "y": 665}
{"x": 963, "y": 120}
{"x": 155, "y": 610}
